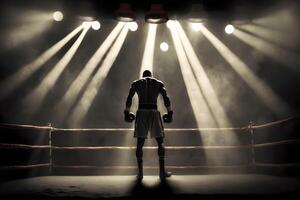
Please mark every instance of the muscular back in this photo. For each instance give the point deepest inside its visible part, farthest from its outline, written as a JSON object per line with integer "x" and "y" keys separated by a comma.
{"x": 148, "y": 89}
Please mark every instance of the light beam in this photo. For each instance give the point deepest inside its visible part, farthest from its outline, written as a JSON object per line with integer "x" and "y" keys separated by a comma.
{"x": 24, "y": 26}
{"x": 36, "y": 97}
{"x": 147, "y": 62}
{"x": 211, "y": 99}
{"x": 10, "y": 84}
{"x": 204, "y": 83}
{"x": 276, "y": 36}
{"x": 76, "y": 86}
{"x": 93, "y": 87}
{"x": 201, "y": 112}
{"x": 265, "y": 93}
{"x": 195, "y": 26}
{"x": 281, "y": 55}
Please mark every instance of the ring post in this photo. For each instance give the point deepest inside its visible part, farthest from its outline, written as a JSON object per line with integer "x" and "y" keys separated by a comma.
{"x": 253, "y": 161}
{"x": 50, "y": 147}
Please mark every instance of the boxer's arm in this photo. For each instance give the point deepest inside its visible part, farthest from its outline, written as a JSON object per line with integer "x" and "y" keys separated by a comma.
{"x": 129, "y": 98}
{"x": 166, "y": 99}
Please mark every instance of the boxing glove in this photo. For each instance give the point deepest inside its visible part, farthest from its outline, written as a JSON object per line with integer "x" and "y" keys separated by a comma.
{"x": 129, "y": 116}
{"x": 168, "y": 117}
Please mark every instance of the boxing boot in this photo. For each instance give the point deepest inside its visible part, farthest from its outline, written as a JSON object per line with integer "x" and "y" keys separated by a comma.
{"x": 140, "y": 170}
{"x": 162, "y": 172}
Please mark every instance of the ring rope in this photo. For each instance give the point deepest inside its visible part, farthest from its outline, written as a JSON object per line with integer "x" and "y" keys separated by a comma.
{"x": 25, "y": 166}
{"x": 22, "y": 126}
{"x": 145, "y": 167}
{"x": 57, "y": 130}
{"x": 276, "y": 165}
{"x": 26, "y": 146}
{"x": 291, "y": 141}
{"x": 150, "y": 147}
{"x": 23, "y": 146}
{"x": 275, "y": 122}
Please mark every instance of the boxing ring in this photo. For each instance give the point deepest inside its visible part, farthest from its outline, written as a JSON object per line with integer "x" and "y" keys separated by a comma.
{"x": 52, "y": 150}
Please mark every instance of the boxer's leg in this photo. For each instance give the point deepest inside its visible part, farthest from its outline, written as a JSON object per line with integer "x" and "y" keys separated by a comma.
{"x": 139, "y": 156}
{"x": 161, "y": 154}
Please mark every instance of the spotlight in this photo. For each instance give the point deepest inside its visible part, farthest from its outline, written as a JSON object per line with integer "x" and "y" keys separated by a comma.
{"x": 196, "y": 26}
{"x": 156, "y": 14}
{"x": 133, "y": 26}
{"x": 169, "y": 23}
{"x": 164, "y": 46}
{"x": 96, "y": 25}
{"x": 125, "y": 13}
{"x": 58, "y": 16}
{"x": 229, "y": 29}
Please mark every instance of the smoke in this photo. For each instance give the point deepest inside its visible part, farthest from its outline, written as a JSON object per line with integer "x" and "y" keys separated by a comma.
{"x": 24, "y": 26}
{"x": 239, "y": 102}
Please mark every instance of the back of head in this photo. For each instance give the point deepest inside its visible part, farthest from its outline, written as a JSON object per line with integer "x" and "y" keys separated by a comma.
{"x": 147, "y": 73}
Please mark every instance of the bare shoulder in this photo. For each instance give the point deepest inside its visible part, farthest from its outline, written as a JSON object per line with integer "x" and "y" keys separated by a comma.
{"x": 135, "y": 82}
{"x": 159, "y": 82}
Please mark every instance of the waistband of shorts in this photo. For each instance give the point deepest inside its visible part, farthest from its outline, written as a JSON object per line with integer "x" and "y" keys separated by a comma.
{"x": 147, "y": 107}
